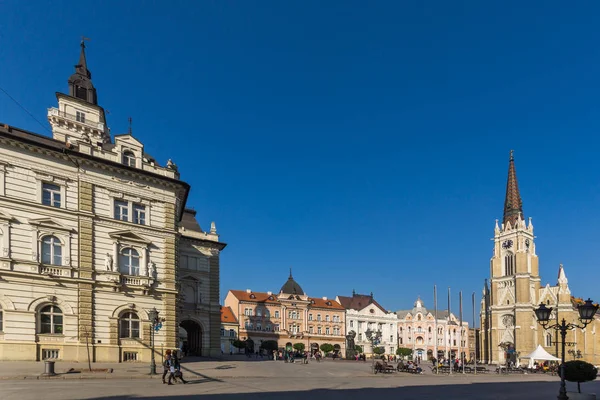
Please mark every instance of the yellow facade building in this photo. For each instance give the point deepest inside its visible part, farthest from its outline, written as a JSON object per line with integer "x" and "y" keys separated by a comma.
{"x": 94, "y": 234}
{"x": 509, "y": 328}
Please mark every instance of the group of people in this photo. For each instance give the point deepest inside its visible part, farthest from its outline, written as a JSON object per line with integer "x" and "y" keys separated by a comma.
{"x": 410, "y": 365}
{"x": 172, "y": 368}
{"x": 454, "y": 363}
{"x": 292, "y": 356}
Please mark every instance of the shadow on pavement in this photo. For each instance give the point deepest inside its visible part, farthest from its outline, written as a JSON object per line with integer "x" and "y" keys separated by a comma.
{"x": 477, "y": 391}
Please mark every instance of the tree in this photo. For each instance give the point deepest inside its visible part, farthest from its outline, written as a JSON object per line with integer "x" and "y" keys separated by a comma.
{"x": 358, "y": 348}
{"x": 403, "y": 352}
{"x": 239, "y": 344}
{"x": 326, "y": 348}
{"x": 379, "y": 350}
{"x": 269, "y": 345}
{"x": 580, "y": 371}
{"x": 299, "y": 346}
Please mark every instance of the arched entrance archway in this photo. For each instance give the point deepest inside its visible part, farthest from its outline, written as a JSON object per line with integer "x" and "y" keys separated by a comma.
{"x": 190, "y": 336}
{"x": 314, "y": 348}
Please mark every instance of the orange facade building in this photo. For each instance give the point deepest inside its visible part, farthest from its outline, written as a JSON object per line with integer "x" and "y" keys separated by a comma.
{"x": 288, "y": 317}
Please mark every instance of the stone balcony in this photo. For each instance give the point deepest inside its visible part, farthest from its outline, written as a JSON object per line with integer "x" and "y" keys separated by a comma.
{"x": 56, "y": 271}
{"x": 56, "y": 114}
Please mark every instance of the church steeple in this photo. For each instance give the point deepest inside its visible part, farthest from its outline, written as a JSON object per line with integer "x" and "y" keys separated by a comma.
{"x": 513, "y": 206}
{"x": 80, "y": 83}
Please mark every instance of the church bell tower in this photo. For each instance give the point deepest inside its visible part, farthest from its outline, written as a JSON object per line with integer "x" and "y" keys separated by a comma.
{"x": 514, "y": 282}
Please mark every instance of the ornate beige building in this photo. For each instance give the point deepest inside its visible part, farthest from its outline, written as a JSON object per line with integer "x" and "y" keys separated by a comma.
{"x": 288, "y": 317}
{"x": 90, "y": 230}
{"x": 509, "y": 326}
{"x": 428, "y": 336}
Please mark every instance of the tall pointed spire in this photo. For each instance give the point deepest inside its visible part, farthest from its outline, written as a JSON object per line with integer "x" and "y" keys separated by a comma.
{"x": 80, "y": 83}
{"x": 513, "y": 206}
{"x": 81, "y": 67}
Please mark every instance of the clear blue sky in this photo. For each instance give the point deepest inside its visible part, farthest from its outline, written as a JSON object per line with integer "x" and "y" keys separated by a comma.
{"x": 365, "y": 144}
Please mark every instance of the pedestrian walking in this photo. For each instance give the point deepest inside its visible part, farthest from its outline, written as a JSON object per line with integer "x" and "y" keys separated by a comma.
{"x": 166, "y": 365}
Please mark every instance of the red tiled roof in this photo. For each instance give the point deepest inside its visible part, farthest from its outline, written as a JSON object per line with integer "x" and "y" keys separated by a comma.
{"x": 359, "y": 301}
{"x": 227, "y": 315}
{"x": 257, "y": 297}
{"x": 330, "y": 304}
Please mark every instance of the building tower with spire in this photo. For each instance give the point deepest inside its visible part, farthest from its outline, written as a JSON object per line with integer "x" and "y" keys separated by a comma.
{"x": 514, "y": 281}
{"x": 509, "y": 329}
{"x": 78, "y": 117}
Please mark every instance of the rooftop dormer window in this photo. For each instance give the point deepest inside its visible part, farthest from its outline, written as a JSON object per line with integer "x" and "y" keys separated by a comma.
{"x": 128, "y": 158}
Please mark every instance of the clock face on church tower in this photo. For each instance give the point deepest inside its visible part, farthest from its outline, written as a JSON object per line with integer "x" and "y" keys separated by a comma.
{"x": 507, "y": 244}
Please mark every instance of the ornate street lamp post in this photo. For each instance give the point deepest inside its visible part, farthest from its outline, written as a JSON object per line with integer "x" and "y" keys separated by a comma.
{"x": 586, "y": 315}
{"x": 153, "y": 315}
{"x": 374, "y": 337}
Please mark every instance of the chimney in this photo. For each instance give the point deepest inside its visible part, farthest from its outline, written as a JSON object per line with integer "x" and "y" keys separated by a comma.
{"x": 269, "y": 293}
{"x": 248, "y": 291}
{"x": 324, "y": 298}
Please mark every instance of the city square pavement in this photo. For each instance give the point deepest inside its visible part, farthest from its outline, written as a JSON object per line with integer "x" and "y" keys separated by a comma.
{"x": 270, "y": 380}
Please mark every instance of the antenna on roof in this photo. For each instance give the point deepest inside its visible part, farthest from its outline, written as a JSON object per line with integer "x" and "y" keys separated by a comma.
{"x": 130, "y": 120}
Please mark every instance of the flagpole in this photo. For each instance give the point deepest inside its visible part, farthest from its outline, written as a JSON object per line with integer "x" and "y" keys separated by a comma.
{"x": 435, "y": 355}
{"x": 449, "y": 337}
{"x": 462, "y": 359}
{"x": 474, "y": 335}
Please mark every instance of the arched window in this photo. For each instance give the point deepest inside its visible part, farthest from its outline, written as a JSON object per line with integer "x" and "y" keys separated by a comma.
{"x": 130, "y": 261}
{"x": 400, "y": 340}
{"x": 401, "y": 330}
{"x": 129, "y": 325}
{"x": 548, "y": 339}
{"x": 51, "y": 320}
{"x": 429, "y": 329}
{"x": 509, "y": 264}
{"x": 51, "y": 250}
{"x": 129, "y": 158}
{"x": 419, "y": 317}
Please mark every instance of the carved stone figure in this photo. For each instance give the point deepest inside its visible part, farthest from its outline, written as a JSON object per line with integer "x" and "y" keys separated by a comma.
{"x": 108, "y": 262}
{"x": 151, "y": 269}
{"x": 171, "y": 165}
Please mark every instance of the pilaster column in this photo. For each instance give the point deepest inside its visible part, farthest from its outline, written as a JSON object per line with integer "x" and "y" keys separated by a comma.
{"x": 116, "y": 265}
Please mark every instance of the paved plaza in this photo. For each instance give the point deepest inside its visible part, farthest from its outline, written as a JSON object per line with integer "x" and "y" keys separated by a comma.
{"x": 224, "y": 380}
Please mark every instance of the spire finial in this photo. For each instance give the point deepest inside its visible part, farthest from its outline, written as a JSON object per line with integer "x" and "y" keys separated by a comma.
{"x": 291, "y": 273}
{"x": 130, "y": 125}
{"x": 513, "y": 205}
{"x": 562, "y": 277}
{"x": 82, "y": 66}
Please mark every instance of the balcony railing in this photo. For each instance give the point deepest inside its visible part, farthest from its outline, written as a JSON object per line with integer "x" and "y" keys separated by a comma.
{"x": 55, "y": 112}
{"x": 55, "y": 270}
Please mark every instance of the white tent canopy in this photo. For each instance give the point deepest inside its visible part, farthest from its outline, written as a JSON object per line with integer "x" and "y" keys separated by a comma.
{"x": 540, "y": 354}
